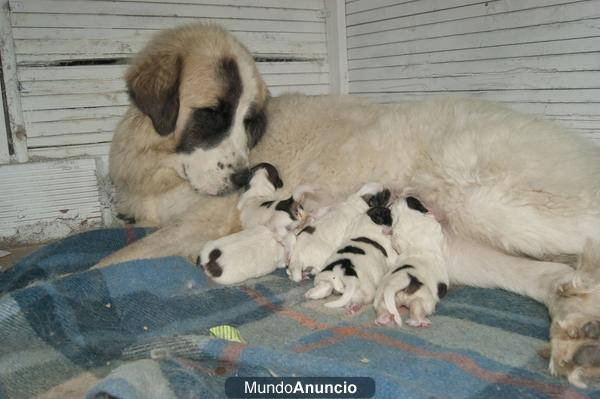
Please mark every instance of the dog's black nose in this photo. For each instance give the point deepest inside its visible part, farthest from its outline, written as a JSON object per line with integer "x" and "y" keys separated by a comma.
{"x": 241, "y": 178}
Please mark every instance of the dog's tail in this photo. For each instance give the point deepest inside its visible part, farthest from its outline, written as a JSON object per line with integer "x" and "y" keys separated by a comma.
{"x": 397, "y": 282}
{"x": 349, "y": 290}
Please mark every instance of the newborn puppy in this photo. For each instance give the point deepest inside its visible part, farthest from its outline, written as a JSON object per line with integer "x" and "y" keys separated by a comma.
{"x": 267, "y": 240}
{"x": 260, "y": 204}
{"x": 419, "y": 278}
{"x": 327, "y": 229}
{"x": 241, "y": 256}
{"x": 356, "y": 268}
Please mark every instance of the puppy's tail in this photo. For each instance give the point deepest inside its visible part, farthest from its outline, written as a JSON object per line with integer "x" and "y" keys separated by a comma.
{"x": 389, "y": 298}
{"x": 321, "y": 290}
{"x": 351, "y": 287}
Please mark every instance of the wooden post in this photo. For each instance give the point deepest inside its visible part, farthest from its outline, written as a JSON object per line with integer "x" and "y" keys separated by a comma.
{"x": 337, "y": 54}
{"x": 11, "y": 84}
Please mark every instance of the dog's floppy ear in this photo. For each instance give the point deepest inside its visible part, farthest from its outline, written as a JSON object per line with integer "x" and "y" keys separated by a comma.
{"x": 153, "y": 85}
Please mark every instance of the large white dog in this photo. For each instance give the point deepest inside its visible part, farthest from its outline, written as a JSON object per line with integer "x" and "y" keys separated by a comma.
{"x": 514, "y": 193}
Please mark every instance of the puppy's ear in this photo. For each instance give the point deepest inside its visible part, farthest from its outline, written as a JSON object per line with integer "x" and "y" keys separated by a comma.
{"x": 153, "y": 85}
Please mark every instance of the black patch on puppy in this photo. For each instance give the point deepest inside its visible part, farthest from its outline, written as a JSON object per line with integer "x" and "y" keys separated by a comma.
{"x": 126, "y": 218}
{"x": 209, "y": 126}
{"x": 380, "y": 215}
{"x": 288, "y": 206}
{"x": 213, "y": 267}
{"x": 415, "y": 204}
{"x": 414, "y": 285}
{"x": 402, "y": 268}
{"x": 382, "y": 199}
{"x": 273, "y": 174}
{"x": 198, "y": 261}
{"x": 346, "y": 265}
{"x": 308, "y": 229}
{"x": 255, "y": 123}
{"x": 367, "y": 240}
{"x": 442, "y": 290}
{"x": 267, "y": 204}
{"x": 349, "y": 249}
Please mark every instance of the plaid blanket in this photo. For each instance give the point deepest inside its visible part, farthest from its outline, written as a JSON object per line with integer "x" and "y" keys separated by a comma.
{"x": 140, "y": 330}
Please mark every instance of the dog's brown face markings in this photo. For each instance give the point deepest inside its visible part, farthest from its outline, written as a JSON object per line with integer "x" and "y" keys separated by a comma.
{"x": 201, "y": 91}
{"x": 208, "y": 126}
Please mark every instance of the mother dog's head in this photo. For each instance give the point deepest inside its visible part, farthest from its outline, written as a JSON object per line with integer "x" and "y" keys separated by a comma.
{"x": 200, "y": 88}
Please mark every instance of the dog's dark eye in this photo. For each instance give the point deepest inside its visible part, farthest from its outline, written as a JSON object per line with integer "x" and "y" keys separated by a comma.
{"x": 255, "y": 124}
{"x": 206, "y": 128}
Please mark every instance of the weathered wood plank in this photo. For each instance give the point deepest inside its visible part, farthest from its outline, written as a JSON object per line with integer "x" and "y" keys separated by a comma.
{"x": 99, "y": 7}
{"x": 474, "y": 18}
{"x": 158, "y": 23}
{"x": 546, "y": 63}
{"x": 540, "y": 33}
{"x": 485, "y": 81}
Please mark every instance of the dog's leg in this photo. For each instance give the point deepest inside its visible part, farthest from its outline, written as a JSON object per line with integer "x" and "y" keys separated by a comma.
{"x": 575, "y": 328}
{"x": 185, "y": 237}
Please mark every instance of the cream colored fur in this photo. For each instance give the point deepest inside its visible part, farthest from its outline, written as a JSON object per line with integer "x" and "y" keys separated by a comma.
{"x": 508, "y": 187}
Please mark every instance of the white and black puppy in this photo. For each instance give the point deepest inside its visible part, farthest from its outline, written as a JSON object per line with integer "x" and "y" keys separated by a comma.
{"x": 241, "y": 256}
{"x": 420, "y": 278}
{"x": 328, "y": 228}
{"x": 260, "y": 203}
{"x": 267, "y": 239}
{"x": 357, "y": 267}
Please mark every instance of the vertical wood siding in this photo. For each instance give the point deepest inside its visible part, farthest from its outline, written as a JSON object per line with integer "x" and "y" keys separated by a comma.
{"x": 536, "y": 56}
{"x": 71, "y": 107}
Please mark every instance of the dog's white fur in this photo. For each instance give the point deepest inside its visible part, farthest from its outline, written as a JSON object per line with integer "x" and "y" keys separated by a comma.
{"x": 510, "y": 188}
{"x": 420, "y": 243}
{"x": 369, "y": 267}
{"x": 331, "y": 224}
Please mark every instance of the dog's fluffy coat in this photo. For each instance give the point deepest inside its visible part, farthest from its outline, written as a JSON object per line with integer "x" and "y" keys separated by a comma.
{"x": 510, "y": 188}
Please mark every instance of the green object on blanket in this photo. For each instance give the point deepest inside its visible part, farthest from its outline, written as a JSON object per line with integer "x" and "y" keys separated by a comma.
{"x": 226, "y": 332}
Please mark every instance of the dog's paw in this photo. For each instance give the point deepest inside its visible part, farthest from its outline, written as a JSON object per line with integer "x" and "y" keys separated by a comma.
{"x": 422, "y": 323}
{"x": 575, "y": 348}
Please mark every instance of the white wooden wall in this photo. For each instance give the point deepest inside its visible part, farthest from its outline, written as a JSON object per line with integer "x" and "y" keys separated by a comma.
{"x": 70, "y": 108}
{"x": 65, "y": 62}
{"x": 536, "y": 56}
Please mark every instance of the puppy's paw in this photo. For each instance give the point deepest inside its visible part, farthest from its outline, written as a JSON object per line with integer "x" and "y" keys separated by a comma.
{"x": 353, "y": 308}
{"x": 385, "y": 318}
{"x": 419, "y": 323}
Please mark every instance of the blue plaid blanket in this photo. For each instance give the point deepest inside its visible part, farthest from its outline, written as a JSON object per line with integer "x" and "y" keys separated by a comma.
{"x": 140, "y": 330}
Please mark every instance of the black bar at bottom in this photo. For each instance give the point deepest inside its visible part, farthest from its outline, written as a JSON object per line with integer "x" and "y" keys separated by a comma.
{"x": 300, "y": 387}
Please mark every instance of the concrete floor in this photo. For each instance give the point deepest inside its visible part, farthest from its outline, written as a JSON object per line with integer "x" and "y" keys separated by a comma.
{"x": 16, "y": 253}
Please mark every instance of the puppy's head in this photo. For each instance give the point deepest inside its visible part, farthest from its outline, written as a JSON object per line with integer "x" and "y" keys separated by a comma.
{"x": 203, "y": 94}
{"x": 381, "y": 216}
